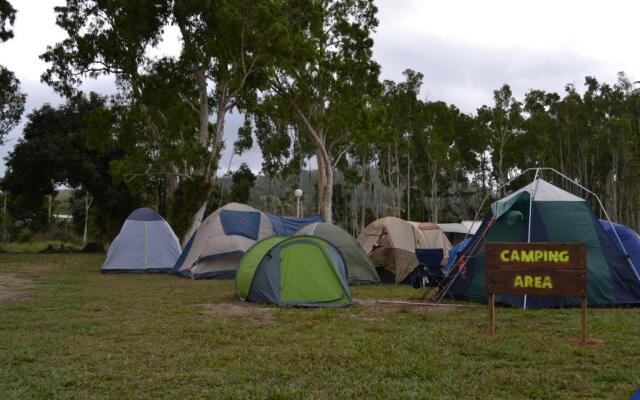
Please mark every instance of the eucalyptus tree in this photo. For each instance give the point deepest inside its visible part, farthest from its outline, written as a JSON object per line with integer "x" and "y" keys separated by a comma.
{"x": 502, "y": 124}
{"x": 227, "y": 48}
{"x": 434, "y": 137}
{"x": 230, "y": 47}
{"x": 401, "y": 108}
{"x": 325, "y": 79}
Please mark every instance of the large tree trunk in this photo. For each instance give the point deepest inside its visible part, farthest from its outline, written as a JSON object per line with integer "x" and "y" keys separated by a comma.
{"x": 204, "y": 139}
{"x": 365, "y": 170}
{"x": 390, "y": 178}
{"x": 212, "y": 144}
{"x": 409, "y": 188}
{"x": 196, "y": 220}
{"x": 325, "y": 184}
{"x": 398, "y": 190}
{"x": 325, "y": 166}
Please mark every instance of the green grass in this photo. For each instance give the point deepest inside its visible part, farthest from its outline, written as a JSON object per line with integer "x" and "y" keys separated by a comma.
{"x": 85, "y": 335}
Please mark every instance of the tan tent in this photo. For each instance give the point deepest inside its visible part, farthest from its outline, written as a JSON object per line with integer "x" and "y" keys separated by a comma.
{"x": 434, "y": 238}
{"x": 391, "y": 243}
{"x": 224, "y": 236}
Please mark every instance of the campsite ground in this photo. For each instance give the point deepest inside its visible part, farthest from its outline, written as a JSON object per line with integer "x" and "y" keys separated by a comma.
{"x": 67, "y": 331}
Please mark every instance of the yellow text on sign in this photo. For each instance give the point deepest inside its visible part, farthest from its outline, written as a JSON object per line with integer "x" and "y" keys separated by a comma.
{"x": 524, "y": 256}
{"x": 529, "y": 281}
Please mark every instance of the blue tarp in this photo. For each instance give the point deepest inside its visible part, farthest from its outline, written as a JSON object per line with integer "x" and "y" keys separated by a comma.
{"x": 629, "y": 238}
{"x": 454, "y": 251}
{"x": 242, "y": 223}
{"x": 288, "y": 226}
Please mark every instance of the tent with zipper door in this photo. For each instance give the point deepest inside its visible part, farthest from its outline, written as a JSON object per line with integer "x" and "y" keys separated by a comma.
{"x": 302, "y": 271}
{"x": 360, "y": 269}
{"x": 146, "y": 243}
{"x": 220, "y": 242}
{"x": 542, "y": 212}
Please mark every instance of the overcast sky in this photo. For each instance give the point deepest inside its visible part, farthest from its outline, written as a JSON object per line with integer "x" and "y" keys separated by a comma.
{"x": 465, "y": 49}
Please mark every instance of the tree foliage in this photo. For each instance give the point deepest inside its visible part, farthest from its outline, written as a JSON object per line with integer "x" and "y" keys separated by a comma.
{"x": 174, "y": 108}
{"x": 303, "y": 74}
{"x": 54, "y": 152}
{"x": 322, "y": 88}
{"x": 7, "y": 19}
{"x": 11, "y": 99}
{"x": 243, "y": 180}
{"x": 11, "y": 102}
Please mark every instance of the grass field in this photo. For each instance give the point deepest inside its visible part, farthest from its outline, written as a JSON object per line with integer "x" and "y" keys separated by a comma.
{"x": 67, "y": 331}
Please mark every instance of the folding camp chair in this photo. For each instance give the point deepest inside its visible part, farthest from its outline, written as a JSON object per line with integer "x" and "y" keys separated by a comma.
{"x": 429, "y": 272}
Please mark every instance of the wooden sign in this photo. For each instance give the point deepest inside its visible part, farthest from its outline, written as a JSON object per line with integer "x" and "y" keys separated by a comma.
{"x": 539, "y": 269}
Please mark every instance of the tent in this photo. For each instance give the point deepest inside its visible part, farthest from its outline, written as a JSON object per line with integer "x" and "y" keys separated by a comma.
{"x": 218, "y": 245}
{"x": 146, "y": 243}
{"x": 391, "y": 244}
{"x": 630, "y": 240}
{"x": 542, "y": 212}
{"x": 463, "y": 227}
{"x": 288, "y": 226}
{"x": 359, "y": 267}
{"x": 298, "y": 271}
{"x": 435, "y": 238}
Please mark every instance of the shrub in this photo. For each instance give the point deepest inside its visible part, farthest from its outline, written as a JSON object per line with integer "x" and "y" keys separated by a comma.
{"x": 25, "y": 235}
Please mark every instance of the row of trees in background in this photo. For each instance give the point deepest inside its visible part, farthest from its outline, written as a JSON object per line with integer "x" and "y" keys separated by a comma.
{"x": 302, "y": 74}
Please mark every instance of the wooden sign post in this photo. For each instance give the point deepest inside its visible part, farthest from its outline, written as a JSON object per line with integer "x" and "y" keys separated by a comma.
{"x": 539, "y": 269}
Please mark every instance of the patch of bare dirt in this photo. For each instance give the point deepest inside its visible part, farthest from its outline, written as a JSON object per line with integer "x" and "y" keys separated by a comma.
{"x": 13, "y": 288}
{"x": 407, "y": 306}
{"x": 251, "y": 312}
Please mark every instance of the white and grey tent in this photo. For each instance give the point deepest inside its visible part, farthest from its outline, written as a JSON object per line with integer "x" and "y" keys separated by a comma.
{"x": 220, "y": 242}
{"x": 146, "y": 243}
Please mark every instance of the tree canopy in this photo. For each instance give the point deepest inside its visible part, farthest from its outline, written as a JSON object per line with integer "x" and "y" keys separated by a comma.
{"x": 303, "y": 76}
{"x": 54, "y": 151}
{"x": 11, "y": 99}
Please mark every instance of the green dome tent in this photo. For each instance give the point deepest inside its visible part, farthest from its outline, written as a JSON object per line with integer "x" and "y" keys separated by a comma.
{"x": 300, "y": 271}
{"x": 542, "y": 212}
{"x": 360, "y": 268}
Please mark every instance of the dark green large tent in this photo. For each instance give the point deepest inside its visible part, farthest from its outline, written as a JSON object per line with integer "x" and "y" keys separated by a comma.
{"x": 360, "y": 269}
{"x": 542, "y": 212}
{"x": 299, "y": 271}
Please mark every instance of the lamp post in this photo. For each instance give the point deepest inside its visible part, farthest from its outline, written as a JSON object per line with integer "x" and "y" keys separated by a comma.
{"x": 298, "y": 194}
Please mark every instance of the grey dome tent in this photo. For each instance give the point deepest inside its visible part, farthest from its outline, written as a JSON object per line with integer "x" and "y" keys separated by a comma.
{"x": 217, "y": 247}
{"x": 146, "y": 243}
{"x": 360, "y": 268}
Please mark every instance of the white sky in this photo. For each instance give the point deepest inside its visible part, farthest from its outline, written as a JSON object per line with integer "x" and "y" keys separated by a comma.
{"x": 465, "y": 49}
